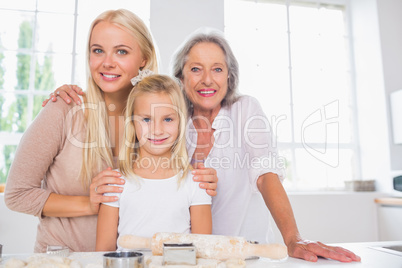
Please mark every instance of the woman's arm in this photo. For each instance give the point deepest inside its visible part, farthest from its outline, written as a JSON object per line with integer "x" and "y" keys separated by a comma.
{"x": 106, "y": 231}
{"x": 201, "y": 219}
{"x": 278, "y": 203}
{"x": 35, "y": 155}
{"x": 67, "y": 206}
{"x": 76, "y": 206}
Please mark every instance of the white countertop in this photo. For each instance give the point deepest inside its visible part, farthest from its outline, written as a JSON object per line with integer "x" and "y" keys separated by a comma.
{"x": 370, "y": 256}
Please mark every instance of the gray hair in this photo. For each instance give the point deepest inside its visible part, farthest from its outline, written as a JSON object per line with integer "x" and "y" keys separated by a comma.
{"x": 180, "y": 58}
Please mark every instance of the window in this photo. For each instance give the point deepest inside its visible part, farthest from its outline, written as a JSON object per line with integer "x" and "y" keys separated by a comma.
{"x": 42, "y": 46}
{"x": 294, "y": 56}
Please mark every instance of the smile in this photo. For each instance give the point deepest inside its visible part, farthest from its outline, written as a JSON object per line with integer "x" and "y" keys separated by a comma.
{"x": 207, "y": 92}
{"x": 110, "y": 76}
{"x": 157, "y": 141}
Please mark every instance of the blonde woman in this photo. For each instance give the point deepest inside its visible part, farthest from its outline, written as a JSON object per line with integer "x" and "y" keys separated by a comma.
{"x": 159, "y": 194}
{"x": 69, "y": 150}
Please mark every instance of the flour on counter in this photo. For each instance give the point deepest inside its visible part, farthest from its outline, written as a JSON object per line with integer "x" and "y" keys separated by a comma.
{"x": 42, "y": 261}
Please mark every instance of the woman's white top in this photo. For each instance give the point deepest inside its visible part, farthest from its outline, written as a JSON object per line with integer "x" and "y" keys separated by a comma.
{"x": 244, "y": 149}
{"x": 147, "y": 206}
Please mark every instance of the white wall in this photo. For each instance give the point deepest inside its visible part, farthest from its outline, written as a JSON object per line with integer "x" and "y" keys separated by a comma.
{"x": 390, "y": 22}
{"x": 17, "y": 230}
{"x": 377, "y": 39}
{"x": 173, "y": 20}
{"x": 335, "y": 217}
{"x": 371, "y": 99}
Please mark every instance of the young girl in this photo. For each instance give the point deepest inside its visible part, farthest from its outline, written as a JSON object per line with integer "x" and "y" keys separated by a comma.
{"x": 159, "y": 194}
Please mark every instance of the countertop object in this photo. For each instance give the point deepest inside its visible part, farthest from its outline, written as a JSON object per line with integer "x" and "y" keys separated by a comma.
{"x": 217, "y": 247}
{"x": 179, "y": 254}
{"x": 371, "y": 254}
{"x": 123, "y": 259}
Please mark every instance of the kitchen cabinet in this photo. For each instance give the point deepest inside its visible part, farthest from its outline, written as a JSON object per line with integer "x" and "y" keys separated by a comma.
{"x": 389, "y": 218}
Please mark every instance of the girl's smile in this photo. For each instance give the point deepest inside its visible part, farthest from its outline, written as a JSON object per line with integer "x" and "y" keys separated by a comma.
{"x": 157, "y": 141}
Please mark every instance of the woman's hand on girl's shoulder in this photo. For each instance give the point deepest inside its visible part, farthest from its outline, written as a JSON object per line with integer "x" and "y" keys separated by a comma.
{"x": 66, "y": 92}
{"x": 207, "y": 177}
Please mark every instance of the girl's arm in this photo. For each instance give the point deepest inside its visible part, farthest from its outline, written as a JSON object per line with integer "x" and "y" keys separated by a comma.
{"x": 106, "y": 231}
{"x": 201, "y": 219}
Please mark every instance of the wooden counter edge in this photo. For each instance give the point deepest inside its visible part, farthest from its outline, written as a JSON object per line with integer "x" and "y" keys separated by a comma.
{"x": 395, "y": 201}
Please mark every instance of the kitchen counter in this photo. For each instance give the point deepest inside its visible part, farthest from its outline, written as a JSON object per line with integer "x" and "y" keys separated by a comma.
{"x": 370, "y": 253}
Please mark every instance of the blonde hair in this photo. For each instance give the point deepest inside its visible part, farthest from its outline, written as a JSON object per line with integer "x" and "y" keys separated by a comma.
{"x": 97, "y": 151}
{"x": 129, "y": 153}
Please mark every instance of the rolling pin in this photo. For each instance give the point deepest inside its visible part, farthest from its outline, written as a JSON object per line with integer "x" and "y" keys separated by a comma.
{"x": 217, "y": 247}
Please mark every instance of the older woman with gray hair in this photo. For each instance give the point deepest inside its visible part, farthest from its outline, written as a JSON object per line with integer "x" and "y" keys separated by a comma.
{"x": 231, "y": 134}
